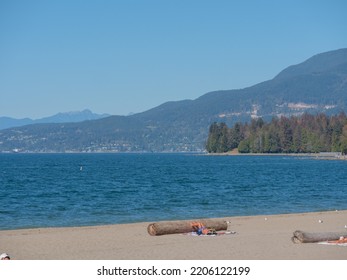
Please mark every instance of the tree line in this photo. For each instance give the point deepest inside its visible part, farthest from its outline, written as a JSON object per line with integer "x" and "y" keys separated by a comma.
{"x": 297, "y": 134}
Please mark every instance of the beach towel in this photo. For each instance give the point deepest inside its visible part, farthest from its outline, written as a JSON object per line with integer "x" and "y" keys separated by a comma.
{"x": 220, "y": 233}
{"x": 340, "y": 242}
{"x": 329, "y": 243}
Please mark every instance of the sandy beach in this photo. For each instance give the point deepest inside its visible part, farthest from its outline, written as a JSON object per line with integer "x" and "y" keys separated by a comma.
{"x": 256, "y": 238}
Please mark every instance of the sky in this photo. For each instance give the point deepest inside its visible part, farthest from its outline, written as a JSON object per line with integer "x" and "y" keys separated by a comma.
{"x": 128, "y": 56}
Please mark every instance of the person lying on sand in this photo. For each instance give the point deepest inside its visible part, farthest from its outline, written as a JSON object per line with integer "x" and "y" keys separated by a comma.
{"x": 341, "y": 240}
{"x": 201, "y": 229}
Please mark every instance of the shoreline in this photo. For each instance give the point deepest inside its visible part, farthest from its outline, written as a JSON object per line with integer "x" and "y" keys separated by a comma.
{"x": 260, "y": 237}
{"x": 325, "y": 156}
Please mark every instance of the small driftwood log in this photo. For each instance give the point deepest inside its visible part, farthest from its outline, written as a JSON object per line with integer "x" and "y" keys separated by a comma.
{"x": 172, "y": 227}
{"x": 309, "y": 237}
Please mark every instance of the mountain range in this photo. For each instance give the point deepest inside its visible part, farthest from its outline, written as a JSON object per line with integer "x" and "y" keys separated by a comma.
{"x": 76, "y": 116}
{"x": 318, "y": 84}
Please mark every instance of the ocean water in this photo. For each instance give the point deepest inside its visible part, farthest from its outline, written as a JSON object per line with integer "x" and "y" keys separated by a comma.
{"x": 53, "y": 190}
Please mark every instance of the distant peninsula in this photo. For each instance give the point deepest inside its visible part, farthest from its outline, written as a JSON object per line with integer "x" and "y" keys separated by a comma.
{"x": 297, "y": 134}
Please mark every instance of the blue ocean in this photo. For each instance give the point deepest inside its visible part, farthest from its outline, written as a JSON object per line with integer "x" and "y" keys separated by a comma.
{"x": 54, "y": 190}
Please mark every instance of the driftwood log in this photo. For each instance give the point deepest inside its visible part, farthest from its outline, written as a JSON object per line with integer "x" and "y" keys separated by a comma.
{"x": 161, "y": 228}
{"x": 309, "y": 237}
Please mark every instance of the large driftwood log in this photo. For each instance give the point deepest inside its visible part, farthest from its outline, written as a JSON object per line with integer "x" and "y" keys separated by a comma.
{"x": 309, "y": 237}
{"x": 172, "y": 227}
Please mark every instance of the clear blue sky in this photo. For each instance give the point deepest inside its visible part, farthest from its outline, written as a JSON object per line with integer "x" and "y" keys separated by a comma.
{"x": 128, "y": 56}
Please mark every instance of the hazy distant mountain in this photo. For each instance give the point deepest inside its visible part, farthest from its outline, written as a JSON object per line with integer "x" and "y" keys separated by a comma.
{"x": 77, "y": 116}
{"x": 317, "y": 85}
{"x": 7, "y": 122}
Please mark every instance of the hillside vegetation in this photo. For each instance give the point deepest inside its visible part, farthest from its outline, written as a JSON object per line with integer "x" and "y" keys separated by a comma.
{"x": 303, "y": 134}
